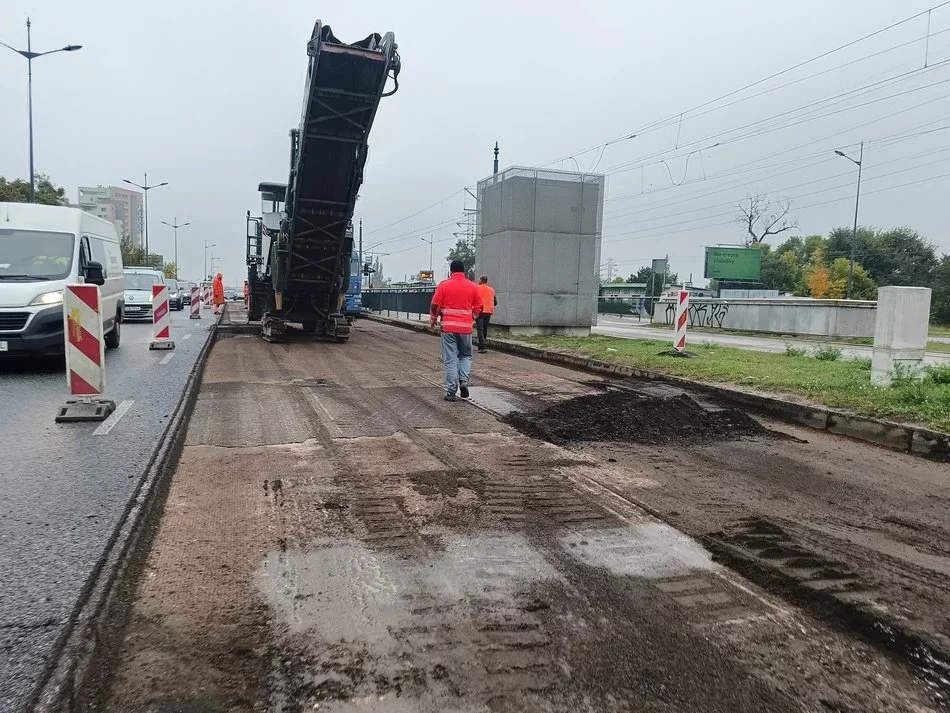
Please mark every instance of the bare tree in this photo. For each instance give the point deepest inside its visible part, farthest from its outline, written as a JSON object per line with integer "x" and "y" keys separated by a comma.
{"x": 761, "y": 217}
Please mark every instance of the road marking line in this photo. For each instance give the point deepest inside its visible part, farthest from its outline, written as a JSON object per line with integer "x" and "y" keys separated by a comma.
{"x": 113, "y": 419}
{"x": 167, "y": 358}
{"x": 187, "y": 336}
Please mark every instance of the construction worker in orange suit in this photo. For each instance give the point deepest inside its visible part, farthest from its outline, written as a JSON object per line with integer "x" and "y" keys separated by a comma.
{"x": 247, "y": 292}
{"x": 458, "y": 302}
{"x": 489, "y": 302}
{"x": 217, "y": 292}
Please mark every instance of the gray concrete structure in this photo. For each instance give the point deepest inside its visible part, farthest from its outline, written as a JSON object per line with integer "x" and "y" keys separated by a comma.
{"x": 805, "y": 317}
{"x": 539, "y": 243}
{"x": 900, "y": 332}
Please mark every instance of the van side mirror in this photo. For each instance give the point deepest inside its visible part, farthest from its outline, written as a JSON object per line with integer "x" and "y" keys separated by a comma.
{"x": 93, "y": 273}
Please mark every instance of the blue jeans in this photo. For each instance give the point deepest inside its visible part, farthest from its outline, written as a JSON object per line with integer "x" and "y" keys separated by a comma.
{"x": 457, "y": 357}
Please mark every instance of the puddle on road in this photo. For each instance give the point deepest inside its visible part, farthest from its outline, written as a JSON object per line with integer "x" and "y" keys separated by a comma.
{"x": 498, "y": 401}
{"x": 343, "y": 591}
{"x": 651, "y": 550}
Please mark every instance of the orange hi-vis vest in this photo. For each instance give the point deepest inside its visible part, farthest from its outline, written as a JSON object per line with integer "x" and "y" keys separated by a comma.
{"x": 488, "y": 298}
{"x": 459, "y": 302}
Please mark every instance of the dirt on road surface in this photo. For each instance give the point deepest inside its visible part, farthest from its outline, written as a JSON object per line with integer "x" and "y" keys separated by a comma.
{"x": 338, "y": 538}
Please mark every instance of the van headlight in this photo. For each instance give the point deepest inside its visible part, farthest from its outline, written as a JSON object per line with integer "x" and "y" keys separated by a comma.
{"x": 48, "y": 299}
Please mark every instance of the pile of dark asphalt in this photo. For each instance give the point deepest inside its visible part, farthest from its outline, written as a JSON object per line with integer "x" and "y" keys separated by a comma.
{"x": 635, "y": 417}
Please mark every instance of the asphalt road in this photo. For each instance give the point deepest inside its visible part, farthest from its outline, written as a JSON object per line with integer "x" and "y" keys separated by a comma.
{"x": 337, "y": 537}
{"x": 63, "y": 489}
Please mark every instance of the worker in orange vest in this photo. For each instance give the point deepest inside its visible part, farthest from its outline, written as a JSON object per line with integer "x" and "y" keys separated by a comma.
{"x": 217, "y": 292}
{"x": 489, "y": 302}
{"x": 457, "y": 302}
{"x": 247, "y": 292}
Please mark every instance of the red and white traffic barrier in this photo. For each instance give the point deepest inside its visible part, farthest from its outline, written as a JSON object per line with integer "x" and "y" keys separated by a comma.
{"x": 682, "y": 318}
{"x": 207, "y": 296}
{"x": 195, "y": 303}
{"x": 85, "y": 355}
{"x": 161, "y": 319}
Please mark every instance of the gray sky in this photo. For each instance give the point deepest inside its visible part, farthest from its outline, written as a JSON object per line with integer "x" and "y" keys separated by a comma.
{"x": 203, "y": 97}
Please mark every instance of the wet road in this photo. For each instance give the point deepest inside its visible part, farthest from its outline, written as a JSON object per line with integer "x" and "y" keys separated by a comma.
{"x": 339, "y": 538}
{"x": 63, "y": 489}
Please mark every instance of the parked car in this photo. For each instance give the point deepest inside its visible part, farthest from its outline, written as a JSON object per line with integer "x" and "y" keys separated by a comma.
{"x": 43, "y": 249}
{"x": 188, "y": 288}
{"x": 138, "y": 291}
{"x": 176, "y": 294}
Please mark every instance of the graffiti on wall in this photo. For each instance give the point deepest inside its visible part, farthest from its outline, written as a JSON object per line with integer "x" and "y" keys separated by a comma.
{"x": 701, "y": 314}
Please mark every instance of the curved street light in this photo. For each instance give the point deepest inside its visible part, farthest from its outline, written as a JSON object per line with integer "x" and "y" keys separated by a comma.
{"x": 854, "y": 234}
{"x": 30, "y": 55}
{"x": 145, "y": 188}
{"x": 176, "y": 225}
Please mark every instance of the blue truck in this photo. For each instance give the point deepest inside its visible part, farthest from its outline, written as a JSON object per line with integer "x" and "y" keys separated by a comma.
{"x": 353, "y": 300}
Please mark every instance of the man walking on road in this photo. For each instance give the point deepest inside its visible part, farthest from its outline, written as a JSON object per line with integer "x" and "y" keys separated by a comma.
{"x": 458, "y": 302}
{"x": 489, "y": 302}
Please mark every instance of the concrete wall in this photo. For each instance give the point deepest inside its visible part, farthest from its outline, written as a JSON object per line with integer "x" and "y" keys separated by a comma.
{"x": 820, "y": 318}
{"x": 539, "y": 243}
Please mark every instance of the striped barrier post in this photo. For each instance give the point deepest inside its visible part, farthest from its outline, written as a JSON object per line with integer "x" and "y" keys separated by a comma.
{"x": 195, "y": 303}
{"x": 682, "y": 317}
{"x": 161, "y": 319}
{"x": 85, "y": 355}
{"x": 207, "y": 296}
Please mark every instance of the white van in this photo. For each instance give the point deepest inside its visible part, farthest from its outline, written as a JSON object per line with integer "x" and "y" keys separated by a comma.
{"x": 42, "y": 249}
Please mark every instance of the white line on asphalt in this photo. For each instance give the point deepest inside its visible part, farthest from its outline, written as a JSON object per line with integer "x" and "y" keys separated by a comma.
{"x": 167, "y": 358}
{"x": 187, "y": 336}
{"x": 110, "y": 422}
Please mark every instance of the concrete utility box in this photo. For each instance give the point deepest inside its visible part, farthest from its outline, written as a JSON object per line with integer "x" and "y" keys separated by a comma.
{"x": 539, "y": 244}
{"x": 900, "y": 332}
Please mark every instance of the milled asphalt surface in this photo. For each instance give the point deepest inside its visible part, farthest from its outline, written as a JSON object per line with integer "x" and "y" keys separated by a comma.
{"x": 63, "y": 490}
{"x": 630, "y": 328}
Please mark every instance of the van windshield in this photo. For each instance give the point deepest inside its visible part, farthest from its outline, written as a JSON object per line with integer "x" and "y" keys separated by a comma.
{"x": 35, "y": 255}
{"x": 140, "y": 281}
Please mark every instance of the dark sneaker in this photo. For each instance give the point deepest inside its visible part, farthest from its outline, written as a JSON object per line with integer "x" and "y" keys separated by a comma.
{"x": 451, "y": 397}
{"x": 464, "y": 391}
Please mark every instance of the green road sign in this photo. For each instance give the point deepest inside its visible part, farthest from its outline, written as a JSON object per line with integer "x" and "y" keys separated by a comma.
{"x": 733, "y": 263}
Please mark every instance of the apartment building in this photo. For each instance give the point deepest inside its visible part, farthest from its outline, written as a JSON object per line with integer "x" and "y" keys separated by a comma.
{"x": 119, "y": 205}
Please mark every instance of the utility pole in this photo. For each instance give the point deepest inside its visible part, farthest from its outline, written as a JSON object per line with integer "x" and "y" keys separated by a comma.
{"x": 205, "y": 273}
{"x": 854, "y": 234}
{"x": 176, "y": 226}
{"x": 30, "y": 55}
{"x": 496, "y": 157}
{"x": 361, "y": 253}
{"x": 429, "y": 240}
{"x": 146, "y": 188}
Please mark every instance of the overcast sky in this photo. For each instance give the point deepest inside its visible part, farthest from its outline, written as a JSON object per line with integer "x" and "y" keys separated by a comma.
{"x": 202, "y": 95}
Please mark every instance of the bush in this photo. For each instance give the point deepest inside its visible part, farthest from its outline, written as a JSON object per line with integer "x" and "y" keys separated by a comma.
{"x": 826, "y": 353}
{"x": 795, "y": 351}
{"x": 939, "y": 374}
{"x": 863, "y": 364}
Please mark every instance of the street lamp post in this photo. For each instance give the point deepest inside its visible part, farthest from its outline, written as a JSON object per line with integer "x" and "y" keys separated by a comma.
{"x": 146, "y": 188}
{"x": 176, "y": 226}
{"x": 205, "y": 274}
{"x": 857, "y": 198}
{"x": 429, "y": 240}
{"x": 30, "y": 55}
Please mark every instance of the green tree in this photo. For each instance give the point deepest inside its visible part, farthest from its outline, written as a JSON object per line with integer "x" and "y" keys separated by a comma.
{"x": 862, "y": 286}
{"x": 940, "y": 298}
{"x": 18, "y": 191}
{"x": 132, "y": 254}
{"x": 654, "y": 282}
{"x": 466, "y": 253}
{"x": 899, "y": 256}
{"x": 169, "y": 269}
{"x": 781, "y": 270}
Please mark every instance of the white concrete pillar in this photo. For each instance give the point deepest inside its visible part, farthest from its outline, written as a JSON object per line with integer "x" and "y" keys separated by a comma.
{"x": 900, "y": 332}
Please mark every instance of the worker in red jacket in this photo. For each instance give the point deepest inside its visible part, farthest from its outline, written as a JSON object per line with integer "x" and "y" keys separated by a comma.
{"x": 458, "y": 302}
{"x": 217, "y": 292}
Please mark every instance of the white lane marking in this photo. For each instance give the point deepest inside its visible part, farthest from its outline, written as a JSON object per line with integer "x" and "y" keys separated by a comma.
{"x": 113, "y": 419}
{"x": 187, "y": 336}
{"x": 167, "y": 358}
